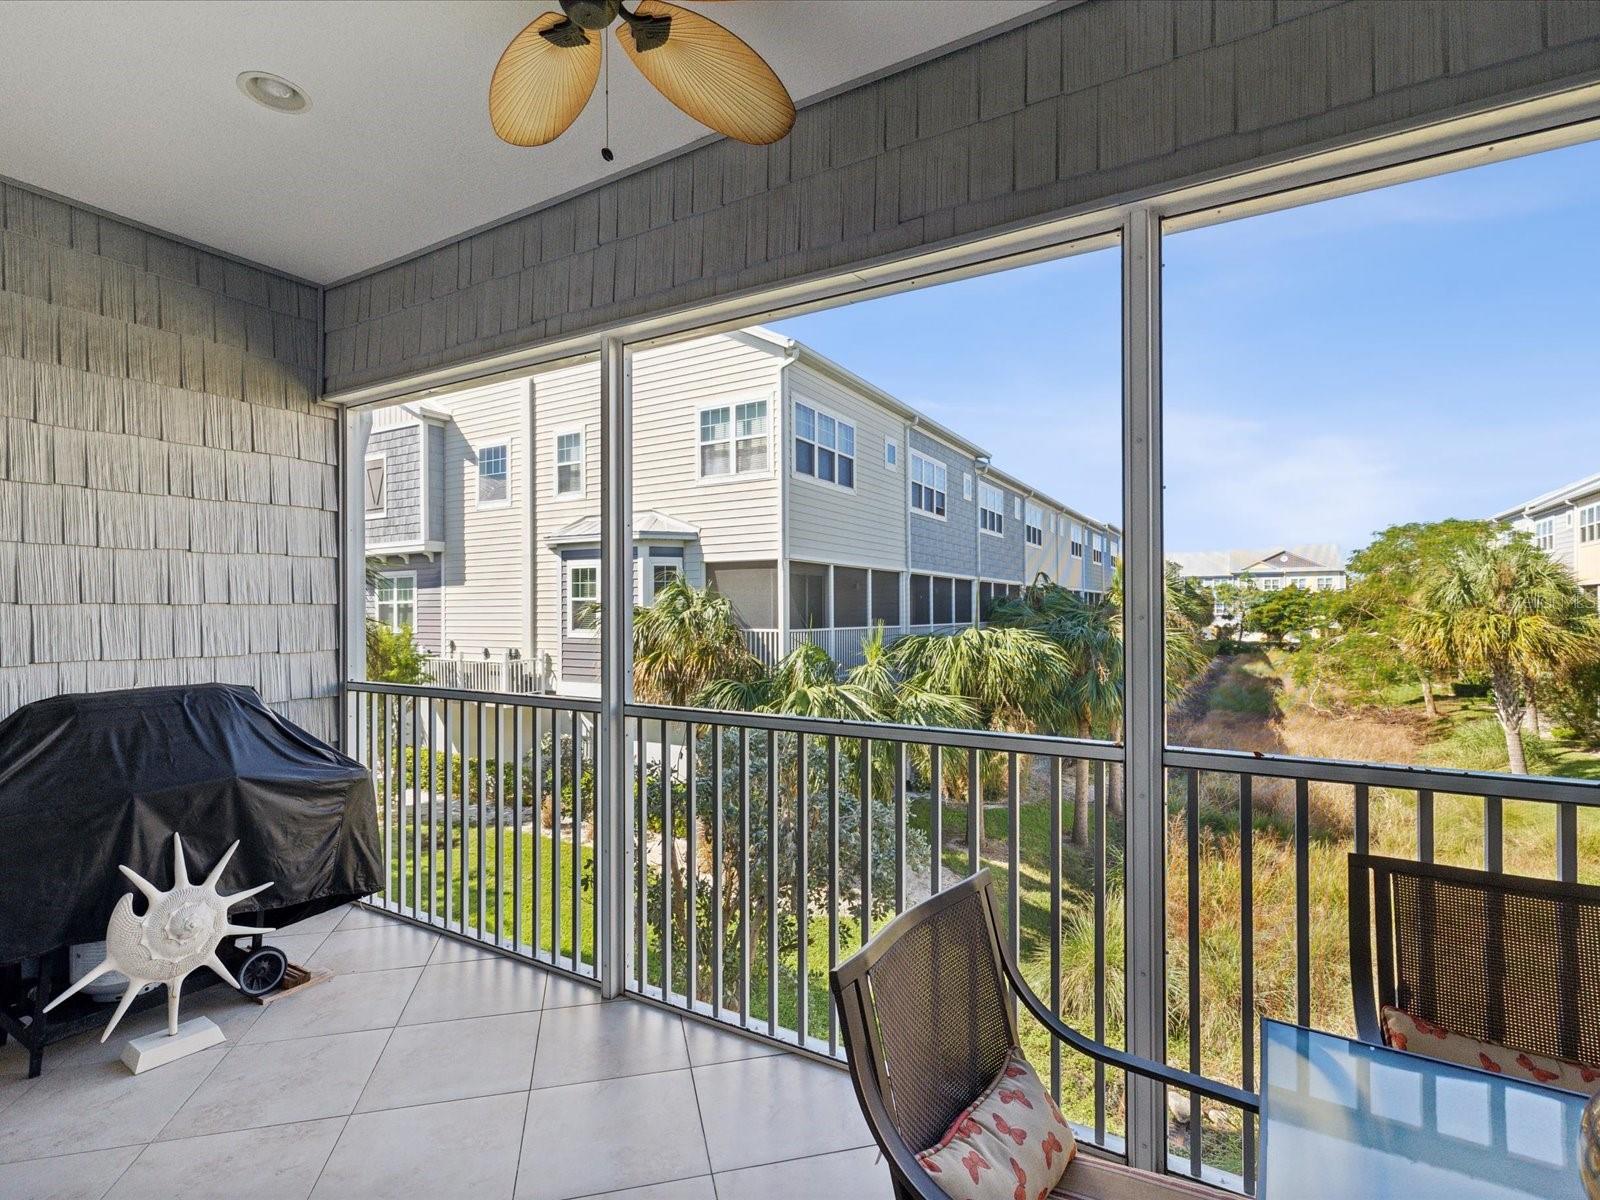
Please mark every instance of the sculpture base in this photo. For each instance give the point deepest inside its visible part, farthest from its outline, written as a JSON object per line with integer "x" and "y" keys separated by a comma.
{"x": 158, "y": 1049}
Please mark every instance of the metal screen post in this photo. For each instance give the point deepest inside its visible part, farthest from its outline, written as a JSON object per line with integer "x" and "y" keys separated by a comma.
{"x": 1144, "y": 726}
{"x": 614, "y": 812}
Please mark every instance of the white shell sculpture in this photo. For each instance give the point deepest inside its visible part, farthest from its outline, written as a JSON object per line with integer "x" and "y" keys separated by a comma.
{"x": 179, "y": 933}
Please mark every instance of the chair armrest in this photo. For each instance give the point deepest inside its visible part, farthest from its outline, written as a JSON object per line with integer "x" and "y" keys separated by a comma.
{"x": 1171, "y": 1076}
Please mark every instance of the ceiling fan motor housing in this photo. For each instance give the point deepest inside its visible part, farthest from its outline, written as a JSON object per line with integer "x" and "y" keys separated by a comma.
{"x": 591, "y": 14}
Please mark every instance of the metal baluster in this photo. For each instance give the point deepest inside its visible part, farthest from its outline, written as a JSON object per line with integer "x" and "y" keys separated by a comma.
{"x": 936, "y": 816}
{"x": 641, "y": 850}
{"x": 668, "y": 852}
{"x": 1494, "y": 842}
{"x": 1247, "y": 969}
{"x": 772, "y": 883}
{"x": 499, "y": 826}
{"x": 1099, "y": 949}
{"x": 1302, "y": 900}
{"x": 833, "y": 883}
{"x": 718, "y": 940}
{"x": 483, "y": 771}
{"x": 516, "y": 819}
{"x": 449, "y": 821}
{"x": 974, "y": 814}
{"x": 598, "y": 833}
{"x": 1055, "y": 921}
{"x": 1014, "y": 859}
{"x": 1196, "y": 1151}
{"x": 400, "y": 802}
{"x": 388, "y": 800}
{"x": 555, "y": 835}
{"x": 1567, "y": 843}
{"x": 691, "y": 895}
{"x": 1424, "y": 825}
{"x": 744, "y": 876}
{"x": 537, "y": 868}
{"x": 899, "y": 827}
{"x": 865, "y": 773}
{"x": 576, "y": 918}
{"x": 433, "y": 827}
{"x": 416, "y": 806}
{"x": 1363, "y": 820}
{"x": 802, "y": 905}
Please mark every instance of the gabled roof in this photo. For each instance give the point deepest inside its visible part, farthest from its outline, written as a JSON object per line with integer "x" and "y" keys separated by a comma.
{"x": 1586, "y": 486}
{"x": 647, "y": 524}
{"x": 1316, "y": 556}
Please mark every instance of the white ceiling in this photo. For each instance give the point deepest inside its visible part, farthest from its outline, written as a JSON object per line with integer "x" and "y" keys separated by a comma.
{"x": 133, "y": 108}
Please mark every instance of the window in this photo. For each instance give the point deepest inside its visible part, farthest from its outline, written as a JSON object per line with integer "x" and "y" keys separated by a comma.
{"x": 808, "y": 596}
{"x": 990, "y": 594}
{"x": 377, "y": 478}
{"x": 921, "y": 600}
{"x": 927, "y": 485}
{"x": 963, "y": 602}
{"x": 1544, "y": 534}
{"x": 824, "y": 446}
{"x": 662, "y": 574}
{"x": 1097, "y": 548}
{"x": 886, "y": 598}
{"x": 991, "y": 509}
{"x": 569, "y": 463}
{"x": 733, "y": 439}
{"x": 1035, "y": 525}
{"x": 966, "y": 485}
{"x": 1324, "y": 583}
{"x": 1077, "y": 540}
{"x": 849, "y": 598}
{"x": 396, "y": 597}
{"x": 1016, "y": 507}
{"x": 891, "y": 453}
{"x": 494, "y": 475}
{"x": 583, "y": 599}
{"x": 1589, "y": 523}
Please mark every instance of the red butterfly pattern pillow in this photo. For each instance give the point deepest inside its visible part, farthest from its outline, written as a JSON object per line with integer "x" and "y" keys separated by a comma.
{"x": 1011, "y": 1143}
{"x": 1406, "y": 1032}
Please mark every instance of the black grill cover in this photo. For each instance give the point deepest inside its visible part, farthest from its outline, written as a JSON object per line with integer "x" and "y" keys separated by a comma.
{"x": 91, "y": 781}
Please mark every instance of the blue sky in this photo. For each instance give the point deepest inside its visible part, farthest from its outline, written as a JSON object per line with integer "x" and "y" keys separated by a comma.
{"x": 1413, "y": 353}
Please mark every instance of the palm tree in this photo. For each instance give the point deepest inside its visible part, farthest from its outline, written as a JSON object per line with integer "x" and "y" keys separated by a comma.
{"x": 1503, "y": 608}
{"x": 1014, "y": 678}
{"x": 686, "y": 641}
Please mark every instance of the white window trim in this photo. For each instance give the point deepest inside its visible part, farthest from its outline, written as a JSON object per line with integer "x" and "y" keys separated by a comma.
{"x": 1029, "y": 511}
{"x": 377, "y": 609}
{"x": 891, "y": 455}
{"x": 1589, "y": 524}
{"x": 966, "y": 486}
{"x": 791, "y": 436}
{"x": 1000, "y": 512}
{"x": 916, "y": 457}
{"x": 479, "y": 503}
{"x": 732, "y": 405}
{"x": 383, "y": 457}
{"x": 582, "y": 489}
{"x": 568, "y": 568}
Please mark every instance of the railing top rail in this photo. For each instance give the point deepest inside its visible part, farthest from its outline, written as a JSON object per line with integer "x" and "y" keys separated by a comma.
{"x": 526, "y": 699}
{"x": 1442, "y": 780}
{"x": 924, "y": 735}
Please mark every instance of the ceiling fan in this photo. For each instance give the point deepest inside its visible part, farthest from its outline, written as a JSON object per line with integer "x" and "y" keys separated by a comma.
{"x": 548, "y": 72}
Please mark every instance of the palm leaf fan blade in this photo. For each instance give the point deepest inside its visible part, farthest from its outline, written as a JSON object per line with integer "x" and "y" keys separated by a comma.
{"x": 539, "y": 88}
{"x": 712, "y": 75}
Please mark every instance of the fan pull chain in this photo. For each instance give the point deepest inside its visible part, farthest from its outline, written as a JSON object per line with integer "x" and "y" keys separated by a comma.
{"x": 605, "y": 59}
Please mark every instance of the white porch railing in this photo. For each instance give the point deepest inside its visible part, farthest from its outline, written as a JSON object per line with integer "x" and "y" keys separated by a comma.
{"x": 518, "y": 676}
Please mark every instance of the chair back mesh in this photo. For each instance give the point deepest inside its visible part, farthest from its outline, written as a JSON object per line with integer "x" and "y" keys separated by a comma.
{"x": 942, "y": 1019}
{"x": 1483, "y": 956}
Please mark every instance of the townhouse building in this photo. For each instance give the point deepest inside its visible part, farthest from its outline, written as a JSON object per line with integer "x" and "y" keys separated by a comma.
{"x": 1565, "y": 524}
{"x": 818, "y": 503}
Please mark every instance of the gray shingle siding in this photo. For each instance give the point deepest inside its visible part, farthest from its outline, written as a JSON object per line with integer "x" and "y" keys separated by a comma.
{"x": 1003, "y": 557}
{"x": 168, "y": 508}
{"x": 401, "y": 522}
{"x": 949, "y": 546}
{"x": 436, "y": 481}
{"x": 1101, "y": 100}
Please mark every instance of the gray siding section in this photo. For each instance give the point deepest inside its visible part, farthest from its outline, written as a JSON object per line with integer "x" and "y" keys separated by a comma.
{"x": 1109, "y": 98}
{"x": 168, "y": 495}
{"x": 401, "y": 522}
{"x": 580, "y": 657}
{"x": 436, "y": 481}
{"x": 1004, "y": 557}
{"x": 949, "y": 546}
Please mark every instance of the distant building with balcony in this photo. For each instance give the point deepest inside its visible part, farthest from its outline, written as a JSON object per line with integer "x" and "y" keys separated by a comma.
{"x": 1316, "y": 567}
{"x": 1565, "y": 524}
{"x": 819, "y": 504}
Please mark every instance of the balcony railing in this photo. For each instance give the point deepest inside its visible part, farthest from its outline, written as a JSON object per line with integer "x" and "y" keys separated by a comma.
{"x": 761, "y": 850}
{"x": 517, "y": 675}
{"x": 842, "y": 643}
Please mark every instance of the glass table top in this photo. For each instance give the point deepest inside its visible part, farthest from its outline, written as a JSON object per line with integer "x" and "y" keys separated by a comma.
{"x": 1342, "y": 1120}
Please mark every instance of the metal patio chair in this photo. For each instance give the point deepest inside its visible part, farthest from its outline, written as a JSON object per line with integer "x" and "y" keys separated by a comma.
{"x": 1500, "y": 958}
{"x": 928, "y": 1013}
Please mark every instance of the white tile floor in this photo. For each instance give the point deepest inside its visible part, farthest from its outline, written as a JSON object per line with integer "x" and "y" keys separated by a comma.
{"x": 432, "y": 1069}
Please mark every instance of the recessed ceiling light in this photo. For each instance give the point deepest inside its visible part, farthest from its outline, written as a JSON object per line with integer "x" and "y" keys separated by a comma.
{"x": 273, "y": 91}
